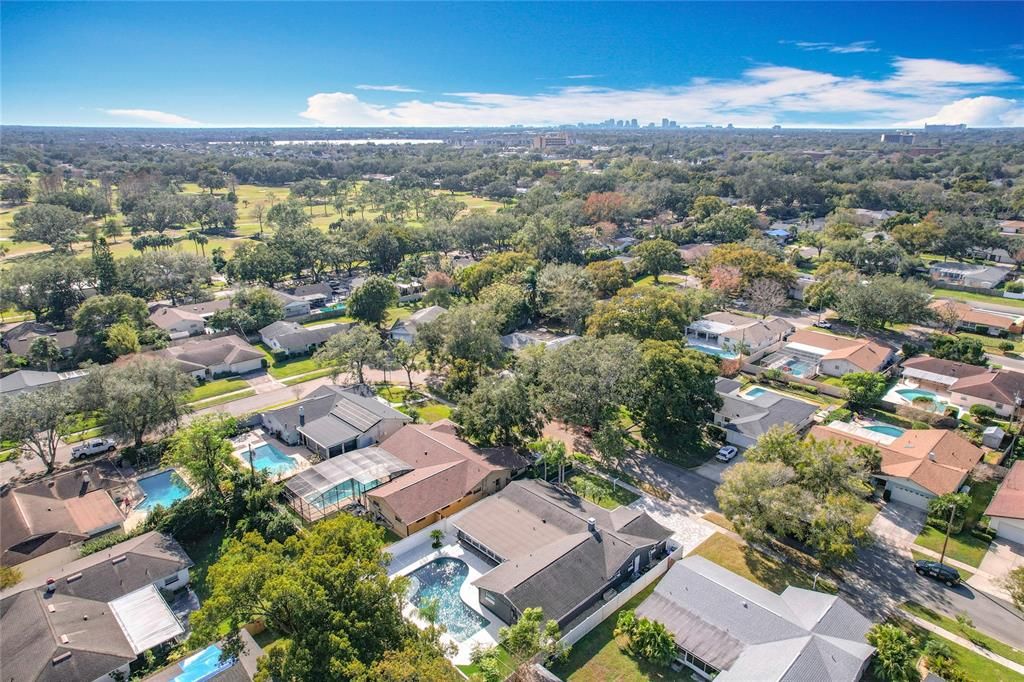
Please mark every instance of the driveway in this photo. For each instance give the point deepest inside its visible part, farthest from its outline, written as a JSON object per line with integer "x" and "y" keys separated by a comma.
{"x": 688, "y": 529}
{"x": 713, "y": 469}
{"x": 1003, "y": 556}
{"x": 898, "y": 524}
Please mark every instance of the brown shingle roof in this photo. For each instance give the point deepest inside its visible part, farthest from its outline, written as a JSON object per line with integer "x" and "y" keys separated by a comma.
{"x": 934, "y": 459}
{"x": 974, "y": 315}
{"x": 997, "y": 386}
{"x": 947, "y": 368}
{"x": 866, "y": 354}
{"x": 1008, "y": 501}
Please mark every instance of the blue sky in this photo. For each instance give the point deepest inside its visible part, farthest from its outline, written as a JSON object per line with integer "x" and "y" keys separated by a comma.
{"x": 463, "y": 64}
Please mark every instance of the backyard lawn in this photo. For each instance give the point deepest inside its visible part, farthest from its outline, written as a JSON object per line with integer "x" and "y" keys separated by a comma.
{"x": 598, "y": 657}
{"x": 971, "y": 297}
{"x": 283, "y": 367}
{"x": 433, "y": 411}
{"x": 964, "y": 546}
{"x": 765, "y": 570}
{"x": 600, "y": 490}
{"x": 974, "y": 665}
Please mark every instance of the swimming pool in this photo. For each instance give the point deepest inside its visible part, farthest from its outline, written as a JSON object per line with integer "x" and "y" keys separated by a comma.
{"x": 202, "y": 666}
{"x": 713, "y": 350}
{"x": 269, "y": 459}
{"x": 885, "y": 430}
{"x": 912, "y": 393}
{"x": 797, "y": 368}
{"x": 163, "y": 489}
{"x": 756, "y": 391}
{"x": 441, "y": 579}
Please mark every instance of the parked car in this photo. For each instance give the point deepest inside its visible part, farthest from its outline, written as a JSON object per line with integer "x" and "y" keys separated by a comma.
{"x": 93, "y": 447}
{"x": 934, "y": 569}
{"x": 823, "y": 324}
{"x": 726, "y": 453}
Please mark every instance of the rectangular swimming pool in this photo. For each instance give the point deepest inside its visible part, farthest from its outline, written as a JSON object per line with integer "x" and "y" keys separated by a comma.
{"x": 162, "y": 489}
{"x": 269, "y": 459}
{"x": 201, "y": 666}
{"x": 713, "y": 350}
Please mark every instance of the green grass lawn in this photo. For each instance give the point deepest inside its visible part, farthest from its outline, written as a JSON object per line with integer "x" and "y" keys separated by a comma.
{"x": 665, "y": 280}
{"x": 221, "y": 399}
{"x": 719, "y": 520}
{"x": 599, "y": 657}
{"x": 504, "y": 659}
{"x": 974, "y": 665}
{"x": 337, "y": 319}
{"x": 991, "y": 343}
{"x": 79, "y": 436}
{"x": 203, "y": 552}
{"x": 392, "y": 393}
{"x": 433, "y": 411}
{"x": 316, "y": 374}
{"x": 756, "y": 566}
{"x": 282, "y": 367}
{"x": 600, "y": 490}
{"x": 9, "y": 454}
{"x": 964, "y": 546}
{"x": 981, "y": 639}
{"x": 212, "y": 389}
{"x": 972, "y": 297}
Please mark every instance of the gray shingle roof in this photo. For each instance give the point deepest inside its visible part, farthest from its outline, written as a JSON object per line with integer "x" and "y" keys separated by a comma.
{"x": 755, "y": 416}
{"x": 291, "y": 335}
{"x": 751, "y": 633}
{"x": 552, "y": 559}
{"x": 335, "y": 415}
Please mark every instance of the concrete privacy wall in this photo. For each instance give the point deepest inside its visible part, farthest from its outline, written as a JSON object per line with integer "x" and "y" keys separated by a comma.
{"x": 597, "y": 617}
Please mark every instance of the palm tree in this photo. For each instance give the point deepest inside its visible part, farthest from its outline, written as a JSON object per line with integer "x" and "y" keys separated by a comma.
{"x": 201, "y": 240}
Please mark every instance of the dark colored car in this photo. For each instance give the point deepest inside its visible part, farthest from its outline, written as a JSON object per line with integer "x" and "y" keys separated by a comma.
{"x": 934, "y": 569}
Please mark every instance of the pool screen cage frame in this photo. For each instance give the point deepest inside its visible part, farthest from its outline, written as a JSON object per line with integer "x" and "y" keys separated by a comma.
{"x": 362, "y": 470}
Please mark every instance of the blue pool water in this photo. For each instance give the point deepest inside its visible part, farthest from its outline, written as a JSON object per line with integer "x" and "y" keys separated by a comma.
{"x": 796, "y": 367}
{"x": 162, "y": 489}
{"x": 756, "y": 391}
{"x": 911, "y": 393}
{"x": 334, "y": 307}
{"x": 885, "y": 429}
{"x": 270, "y": 460}
{"x": 441, "y": 579}
{"x": 712, "y": 350}
{"x": 201, "y": 666}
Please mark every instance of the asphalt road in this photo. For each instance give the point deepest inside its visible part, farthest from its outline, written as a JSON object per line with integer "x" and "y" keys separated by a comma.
{"x": 876, "y": 582}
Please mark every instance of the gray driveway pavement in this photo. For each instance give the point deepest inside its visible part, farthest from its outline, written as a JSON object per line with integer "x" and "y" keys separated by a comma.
{"x": 898, "y": 524}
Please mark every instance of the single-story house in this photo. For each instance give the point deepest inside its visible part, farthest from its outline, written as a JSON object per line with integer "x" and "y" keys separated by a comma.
{"x": 691, "y": 253}
{"x": 448, "y": 474}
{"x": 25, "y": 380}
{"x": 1006, "y": 510}
{"x": 58, "y": 511}
{"x": 517, "y": 341}
{"x": 292, "y": 338}
{"x": 866, "y": 216}
{"x": 405, "y": 330}
{"x": 972, "y": 275}
{"x": 729, "y": 330}
{"x": 780, "y": 235}
{"x": 996, "y": 254}
{"x": 209, "y": 357}
{"x": 799, "y": 289}
{"x": 1011, "y": 226}
{"x": 982, "y": 321}
{"x": 745, "y": 417}
{"x": 836, "y": 356}
{"x": 317, "y": 294}
{"x": 89, "y": 619}
{"x": 964, "y": 385}
{"x": 728, "y": 628}
{"x": 554, "y": 550}
{"x": 917, "y": 465}
{"x": 187, "y": 320}
{"x": 333, "y": 420}
{"x": 18, "y": 339}
{"x": 294, "y": 306}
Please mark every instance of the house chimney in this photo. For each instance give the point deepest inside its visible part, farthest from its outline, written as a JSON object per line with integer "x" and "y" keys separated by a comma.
{"x": 302, "y": 416}
{"x": 592, "y": 524}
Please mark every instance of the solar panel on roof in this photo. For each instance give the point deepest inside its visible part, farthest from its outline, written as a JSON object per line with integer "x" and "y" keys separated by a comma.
{"x": 357, "y": 416}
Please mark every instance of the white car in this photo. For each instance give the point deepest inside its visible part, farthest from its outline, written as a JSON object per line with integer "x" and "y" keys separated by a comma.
{"x": 93, "y": 447}
{"x": 726, "y": 453}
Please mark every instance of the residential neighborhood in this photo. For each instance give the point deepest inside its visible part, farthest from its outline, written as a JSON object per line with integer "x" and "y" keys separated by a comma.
{"x": 571, "y": 350}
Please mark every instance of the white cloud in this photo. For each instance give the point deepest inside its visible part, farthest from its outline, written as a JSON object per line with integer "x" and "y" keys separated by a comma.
{"x": 581, "y": 76}
{"x": 152, "y": 116}
{"x": 849, "y": 48}
{"x": 984, "y": 111}
{"x": 388, "y": 88}
{"x": 761, "y": 96}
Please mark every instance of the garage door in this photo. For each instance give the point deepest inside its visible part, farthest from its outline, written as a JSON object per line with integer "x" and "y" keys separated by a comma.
{"x": 738, "y": 439}
{"x": 1010, "y": 531}
{"x": 907, "y": 496}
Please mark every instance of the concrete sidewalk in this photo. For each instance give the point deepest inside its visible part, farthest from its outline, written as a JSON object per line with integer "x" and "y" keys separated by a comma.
{"x": 966, "y": 643}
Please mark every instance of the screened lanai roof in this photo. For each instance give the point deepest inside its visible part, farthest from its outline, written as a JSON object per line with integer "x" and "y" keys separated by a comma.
{"x": 364, "y": 466}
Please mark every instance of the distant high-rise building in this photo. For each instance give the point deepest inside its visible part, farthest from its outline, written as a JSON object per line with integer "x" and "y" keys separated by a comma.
{"x": 559, "y": 139}
{"x": 634, "y": 124}
{"x": 945, "y": 127}
{"x": 664, "y": 123}
{"x": 900, "y": 137}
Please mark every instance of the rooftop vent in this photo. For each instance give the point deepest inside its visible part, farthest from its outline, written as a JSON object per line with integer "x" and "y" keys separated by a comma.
{"x": 51, "y": 608}
{"x": 64, "y": 639}
{"x": 302, "y": 416}
{"x": 119, "y": 559}
{"x": 591, "y": 524}
{"x": 60, "y": 659}
{"x": 931, "y": 456}
{"x": 73, "y": 578}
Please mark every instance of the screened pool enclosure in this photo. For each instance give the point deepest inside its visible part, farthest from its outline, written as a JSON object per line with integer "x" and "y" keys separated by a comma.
{"x": 328, "y": 487}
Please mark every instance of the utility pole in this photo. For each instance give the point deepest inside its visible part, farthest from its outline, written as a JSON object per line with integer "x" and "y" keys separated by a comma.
{"x": 949, "y": 527}
{"x": 1015, "y": 422}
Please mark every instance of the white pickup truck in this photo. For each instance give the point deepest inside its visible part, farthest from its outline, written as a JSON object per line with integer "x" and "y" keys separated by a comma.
{"x": 93, "y": 447}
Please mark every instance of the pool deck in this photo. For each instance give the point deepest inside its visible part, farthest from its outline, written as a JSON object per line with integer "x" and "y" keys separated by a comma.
{"x": 420, "y": 555}
{"x": 256, "y": 438}
{"x": 893, "y": 396}
{"x": 136, "y": 516}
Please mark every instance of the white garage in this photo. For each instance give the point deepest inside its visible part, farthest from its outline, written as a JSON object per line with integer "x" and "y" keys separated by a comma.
{"x": 908, "y": 493}
{"x": 1008, "y": 529}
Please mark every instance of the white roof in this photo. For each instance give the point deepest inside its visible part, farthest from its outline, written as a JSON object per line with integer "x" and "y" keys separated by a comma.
{"x": 806, "y": 348}
{"x": 711, "y": 327}
{"x": 145, "y": 618}
{"x": 929, "y": 376}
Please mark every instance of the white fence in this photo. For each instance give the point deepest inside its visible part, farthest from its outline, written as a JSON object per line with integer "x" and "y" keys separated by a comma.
{"x": 597, "y": 617}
